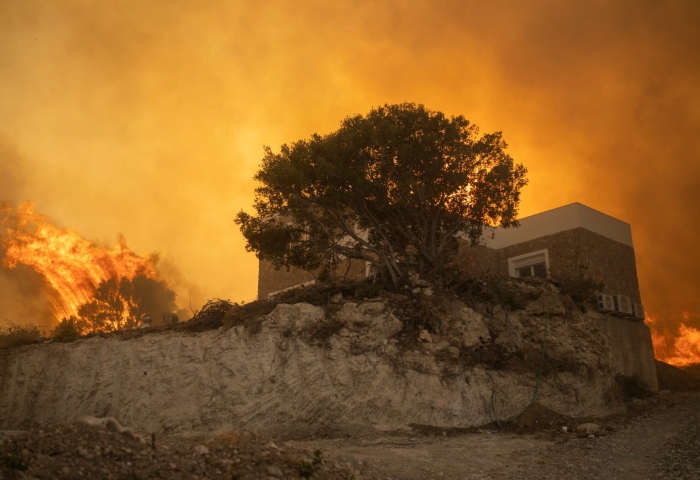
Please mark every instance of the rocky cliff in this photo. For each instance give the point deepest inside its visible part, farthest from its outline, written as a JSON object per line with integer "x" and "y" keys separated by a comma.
{"x": 349, "y": 365}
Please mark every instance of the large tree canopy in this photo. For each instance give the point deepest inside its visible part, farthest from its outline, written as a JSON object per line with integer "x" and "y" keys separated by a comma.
{"x": 394, "y": 188}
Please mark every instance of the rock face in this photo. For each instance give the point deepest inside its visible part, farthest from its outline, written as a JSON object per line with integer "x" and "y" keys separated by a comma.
{"x": 586, "y": 429}
{"x": 289, "y": 375}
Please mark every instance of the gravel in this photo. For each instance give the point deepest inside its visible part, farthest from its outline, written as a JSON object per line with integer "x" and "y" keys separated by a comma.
{"x": 78, "y": 450}
{"x": 659, "y": 438}
{"x": 661, "y": 444}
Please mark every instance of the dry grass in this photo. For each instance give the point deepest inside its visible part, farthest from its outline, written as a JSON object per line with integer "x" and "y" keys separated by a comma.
{"x": 16, "y": 335}
{"x": 223, "y": 313}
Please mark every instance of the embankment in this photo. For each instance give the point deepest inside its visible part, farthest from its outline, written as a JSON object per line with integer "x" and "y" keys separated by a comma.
{"x": 350, "y": 366}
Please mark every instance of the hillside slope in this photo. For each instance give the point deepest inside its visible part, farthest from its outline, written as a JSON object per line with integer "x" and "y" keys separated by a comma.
{"x": 354, "y": 364}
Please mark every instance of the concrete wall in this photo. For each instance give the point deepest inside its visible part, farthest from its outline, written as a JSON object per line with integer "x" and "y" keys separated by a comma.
{"x": 632, "y": 352}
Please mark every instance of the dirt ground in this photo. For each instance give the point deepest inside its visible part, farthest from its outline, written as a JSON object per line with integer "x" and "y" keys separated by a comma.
{"x": 657, "y": 438}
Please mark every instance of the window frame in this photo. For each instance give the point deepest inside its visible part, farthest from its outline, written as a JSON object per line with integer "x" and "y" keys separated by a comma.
{"x": 528, "y": 259}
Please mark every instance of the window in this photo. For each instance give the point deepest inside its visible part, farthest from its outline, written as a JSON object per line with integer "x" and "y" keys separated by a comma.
{"x": 534, "y": 264}
{"x": 536, "y": 270}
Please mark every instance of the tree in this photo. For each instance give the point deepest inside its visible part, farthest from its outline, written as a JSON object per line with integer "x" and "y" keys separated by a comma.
{"x": 395, "y": 188}
{"x": 124, "y": 303}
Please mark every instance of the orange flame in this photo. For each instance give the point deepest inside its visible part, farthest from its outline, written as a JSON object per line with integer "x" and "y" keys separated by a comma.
{"x": 681, "y": 348}
{"x": 70, "y": 265}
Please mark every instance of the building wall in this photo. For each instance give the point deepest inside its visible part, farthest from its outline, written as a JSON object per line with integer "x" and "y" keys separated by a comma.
{"x": 272, "y": 280}
{"x": 558, "y": 220}
{"x": 632, "y": 351}
{"x": 606, "y": 260}
{"x": 478, "y": 260}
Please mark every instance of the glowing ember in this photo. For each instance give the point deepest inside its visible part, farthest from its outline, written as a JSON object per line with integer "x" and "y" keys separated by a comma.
{"x": 681, "y": 348}
{"x": 73, "y": 267}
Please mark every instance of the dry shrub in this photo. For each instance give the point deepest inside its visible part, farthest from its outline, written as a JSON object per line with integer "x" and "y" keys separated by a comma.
{"x": 209, "y": 317}
{"x": 69, "y": 329}
{"x": 16, "y": 335}
{"x": 217, "y": 313}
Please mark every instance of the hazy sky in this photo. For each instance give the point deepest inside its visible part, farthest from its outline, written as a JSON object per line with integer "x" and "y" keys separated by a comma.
{"x": 148, "y": 118}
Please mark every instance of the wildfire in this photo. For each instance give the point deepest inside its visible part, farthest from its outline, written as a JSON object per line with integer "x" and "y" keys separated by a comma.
{"x": 681, "y": 348}
{"x": 73, "y": 267}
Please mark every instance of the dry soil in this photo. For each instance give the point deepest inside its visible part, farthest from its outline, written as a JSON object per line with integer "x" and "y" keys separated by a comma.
{"x": 657, "y": 439}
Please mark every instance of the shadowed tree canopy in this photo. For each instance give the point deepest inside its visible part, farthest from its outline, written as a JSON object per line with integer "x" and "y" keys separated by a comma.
{"x": 395, "y": 188}
{"x": 124, "y": 303}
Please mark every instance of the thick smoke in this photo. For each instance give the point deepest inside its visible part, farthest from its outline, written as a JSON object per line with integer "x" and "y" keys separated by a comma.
{"x": 155, "y": 112}
{"x": 24, "y": 297}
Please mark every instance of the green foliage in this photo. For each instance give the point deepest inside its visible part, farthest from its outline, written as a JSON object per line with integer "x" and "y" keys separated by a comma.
{"x": 16, "y": 335}
{"x": 69, "y": 329}
{"x": 633, "y": 386}
{"x": 394, "y": 188}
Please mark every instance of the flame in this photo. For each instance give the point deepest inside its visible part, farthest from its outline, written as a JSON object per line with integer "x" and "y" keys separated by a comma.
{"x": 680, "y": 348}
{"x": 70, "y": 265}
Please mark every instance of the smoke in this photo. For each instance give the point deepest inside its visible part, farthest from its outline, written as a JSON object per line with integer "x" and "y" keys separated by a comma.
{"x": 147, "y": 118}
{"x": 24, "y": 297}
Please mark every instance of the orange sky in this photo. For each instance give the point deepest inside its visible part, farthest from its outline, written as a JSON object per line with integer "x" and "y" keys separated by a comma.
{"x": 147, "y": 118}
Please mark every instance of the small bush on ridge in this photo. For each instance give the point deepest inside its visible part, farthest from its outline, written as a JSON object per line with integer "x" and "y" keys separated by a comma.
{"x": 16, "y": 335}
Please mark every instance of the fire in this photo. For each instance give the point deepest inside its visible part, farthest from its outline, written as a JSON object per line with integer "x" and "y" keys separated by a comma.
{"x": 73, "y": 267}
{"x": 681, "y": 348}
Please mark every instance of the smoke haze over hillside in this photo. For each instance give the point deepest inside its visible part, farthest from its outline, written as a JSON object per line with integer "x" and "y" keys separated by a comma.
{"x": 148, "y": 118}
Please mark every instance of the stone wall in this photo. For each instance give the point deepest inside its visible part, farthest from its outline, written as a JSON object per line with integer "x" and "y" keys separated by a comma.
{"x": 603, "y": 259}
{"x": 272, "y": 280}
{"x": 479, "y": 260}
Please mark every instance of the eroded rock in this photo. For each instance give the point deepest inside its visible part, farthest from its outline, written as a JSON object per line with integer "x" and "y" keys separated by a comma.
{"x": 310, "y": 367}
{"x": 586, "y": 429}
{"x": 294, "y": 317}
{"x": 472, "y": 328}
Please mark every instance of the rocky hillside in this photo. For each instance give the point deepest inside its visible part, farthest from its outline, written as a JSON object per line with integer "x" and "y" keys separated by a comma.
{"x": 383, "y": 363}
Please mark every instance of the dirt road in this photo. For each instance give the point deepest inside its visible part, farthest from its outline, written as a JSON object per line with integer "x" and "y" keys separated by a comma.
{"x": 662, "y": 443}
{"x": 659, "y": 438}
